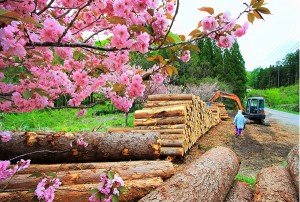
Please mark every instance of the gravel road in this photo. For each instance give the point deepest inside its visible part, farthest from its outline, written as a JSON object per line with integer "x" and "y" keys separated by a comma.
{"x": 287, "y": 120}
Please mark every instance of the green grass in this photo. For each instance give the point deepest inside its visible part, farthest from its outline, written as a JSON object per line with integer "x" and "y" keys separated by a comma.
{"x": 248, "y": 180}
{"x": 95, "y": 119}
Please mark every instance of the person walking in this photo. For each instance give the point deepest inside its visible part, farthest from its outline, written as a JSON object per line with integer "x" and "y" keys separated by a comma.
{"x": 239, "y": 121}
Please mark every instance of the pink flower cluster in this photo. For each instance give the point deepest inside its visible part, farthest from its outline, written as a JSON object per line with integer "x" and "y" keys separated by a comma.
{"x": 121, "y": 103}
{"x": 185, "y": 56}
{"x": 81, "y": 141}
{"x": 7, "y": 172}
{"x": 81, "y": 112}
{"x": 136, "y": 88}
{"x": 108, "y": 187}
{"x": 46, "y": 188}
{"x": 5, "y": 136}
{"x": 224, "y": 29}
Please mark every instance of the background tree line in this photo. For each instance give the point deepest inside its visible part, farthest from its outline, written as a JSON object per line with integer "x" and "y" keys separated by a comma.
{"x": 284, "y": 73}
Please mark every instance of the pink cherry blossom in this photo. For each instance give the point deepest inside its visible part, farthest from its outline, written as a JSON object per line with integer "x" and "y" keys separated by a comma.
{"x": 81, "y": 141}
{"x": 81, "y": 112}
{"x": 185, "y": 57}
{"x": 225, "y": 41}
{"x": 5, "y": 136}
{"x": 209, "y": 23}
{"x": 241, "y": 31}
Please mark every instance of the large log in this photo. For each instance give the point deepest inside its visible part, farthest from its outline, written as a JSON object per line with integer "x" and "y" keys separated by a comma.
{"x": 136, "y": 190}
{"x": 274, "y": 184}
{"x": 293, "y": 166}
{"x": 71, "y": 174}
{"x": 240, "y": 192}
{"x": 160, "y": 121}
{"x": 166, "y": 97}
{"x": 167, "y": 111}
{"x": 102, "y": 146}
{"x": 208, "y": 178}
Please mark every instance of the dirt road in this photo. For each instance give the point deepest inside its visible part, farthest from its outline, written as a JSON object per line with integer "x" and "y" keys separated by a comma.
{"x": 260, "y": 145}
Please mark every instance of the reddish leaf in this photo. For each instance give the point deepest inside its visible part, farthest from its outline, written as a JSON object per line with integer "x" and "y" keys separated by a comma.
{"x": 257, "y": 14}
{"x": 169, "y": 70}
{"x": 182, "y": 37}
{"x": 151, "y": 11}
{"x": 195, "y": 32}
{"x": 207, "y": 9}
{"x": 169, "y": 16}
{"x": 116, "y": 20}
{"x": 196, "y": 48}
{"x": 174, "y": 69}
{"x": 199, "y": 24}
{"x": 258, "y": 4}
{"x": 170, "y": 39}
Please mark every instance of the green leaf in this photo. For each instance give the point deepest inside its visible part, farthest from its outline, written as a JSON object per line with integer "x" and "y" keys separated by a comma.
{"x": 110, "y": 175}
{"x": 207, "y": 9}
{"x": 93, "y": 191}
{"x": 170, "y": 39}
{"x": 251, "y": 17}
{"x": 263, "y": 10}
{"x": 98, "y": 195}
{"x": 115, "y": 198}
{"x": 27, "y": 94}
{"x": 36, "y": 174}
{"x": 258, "y": 4}
{"x": 31, "y": 190}
{"x": 34, "y": 199}
{"x": 122, "y": 189}
{"x": 53, "y": 174}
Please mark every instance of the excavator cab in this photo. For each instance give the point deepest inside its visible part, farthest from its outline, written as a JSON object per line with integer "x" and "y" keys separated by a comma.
{"x": 255, "y": 109}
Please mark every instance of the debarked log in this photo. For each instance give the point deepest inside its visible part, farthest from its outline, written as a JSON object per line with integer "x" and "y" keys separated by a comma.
{"x": 71, "y": 174}
{"x": 101, "y": 146}
{"x": 208, "y": 178}
{"x": 136, "y": 189}
{"x": 274, "y": 184}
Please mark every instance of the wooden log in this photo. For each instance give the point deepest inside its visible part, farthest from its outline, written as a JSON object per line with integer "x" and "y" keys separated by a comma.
{"x": 171, "y": 143}
{"x": 138, "y": 131}
{"x": 102, "y": 146}
{"x": 171, "y": 151}
{"x": 175, "y": 126}
{"x": 172, "y": 137}
{"x": 166, "y": 97}
{"x": 126, "y": 169}
{"x": 160, "y": 121}
{"x": 151, "y": 104}
{"x": 161, "y": 112}
{"x": 274, "y": 184}
{"x": 208, "y": 178}
{"x": 68, "y": 176}
{"x": 240, "y": 192}
{"x": 136, "y": 190}
{"x": 293, "y": 166}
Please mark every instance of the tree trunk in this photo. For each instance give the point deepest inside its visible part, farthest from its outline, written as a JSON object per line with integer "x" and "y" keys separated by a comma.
{"x": 160, "y": 121}
{"x": 240, "y": 192}
{"x": 274, "y": 184}
{"x": 293, "y": 166}
{"x": 71, "y": 174}
{"x": 136, "y": 190}
{"x": 151, "y": 104}
{"x": 102, "y": 146}
{"x": 208, "y": 179}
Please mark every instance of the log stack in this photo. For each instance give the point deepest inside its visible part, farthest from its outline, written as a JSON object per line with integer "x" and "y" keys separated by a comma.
{"x": 215, "y": 112}
{"x": 140, "y": 177}
{"x": 179, "y": 118}
{"x": 223, "y": 111}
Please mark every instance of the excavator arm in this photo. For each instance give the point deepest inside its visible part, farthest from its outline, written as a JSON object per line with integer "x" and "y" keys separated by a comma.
{"x": 227, "y": 95}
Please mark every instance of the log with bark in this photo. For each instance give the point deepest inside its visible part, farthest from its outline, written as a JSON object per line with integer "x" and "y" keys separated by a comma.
{"x": 88, "y": 173}
{"x": 208, "y": 178}
{"x": 274, "y": 184}
{"x": 293, "y": 166}
{"x": 79, "y": 193}
{"x": 240, "y": 192}
{"x": 54, "y": 147}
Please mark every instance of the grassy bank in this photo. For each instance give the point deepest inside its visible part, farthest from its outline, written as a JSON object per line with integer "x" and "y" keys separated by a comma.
{"x": 283, "y": 98}
{"x": 98, "y": 119}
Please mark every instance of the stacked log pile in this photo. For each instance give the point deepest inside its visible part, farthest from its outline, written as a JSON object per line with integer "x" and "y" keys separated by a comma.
{"x": 223, "y": 111}
{"x": 215, "y": 112}
{"x": 179, "y": 118}
{"x": 140, "y": 177}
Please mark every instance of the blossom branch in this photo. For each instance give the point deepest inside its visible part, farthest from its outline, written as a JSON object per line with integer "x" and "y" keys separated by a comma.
{"x": 35, "y": 152}
{"x": 45, "y": 8}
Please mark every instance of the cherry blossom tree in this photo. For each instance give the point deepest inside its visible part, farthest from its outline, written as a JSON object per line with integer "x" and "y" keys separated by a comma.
{"x": 48, "y": 48}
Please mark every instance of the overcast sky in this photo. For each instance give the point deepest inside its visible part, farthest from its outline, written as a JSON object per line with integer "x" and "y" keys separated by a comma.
{"x": 265, "y": 42}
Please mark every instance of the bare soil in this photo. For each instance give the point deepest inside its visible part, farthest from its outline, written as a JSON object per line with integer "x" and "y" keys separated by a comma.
{"x": 258, "y": 147}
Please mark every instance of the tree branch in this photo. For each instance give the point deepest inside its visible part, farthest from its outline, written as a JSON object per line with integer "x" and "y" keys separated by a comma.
{"x": 86, "y": 40}
{"x": 46, "y": 7}
{"x": 73, "y": 20}
{"x": 41, "y": 151}
{"x": 80, "y": 107}
{"x": 176, "y": 11}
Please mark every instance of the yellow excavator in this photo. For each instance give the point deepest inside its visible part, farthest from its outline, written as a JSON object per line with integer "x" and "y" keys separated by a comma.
{"x": 255, "y": 108}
